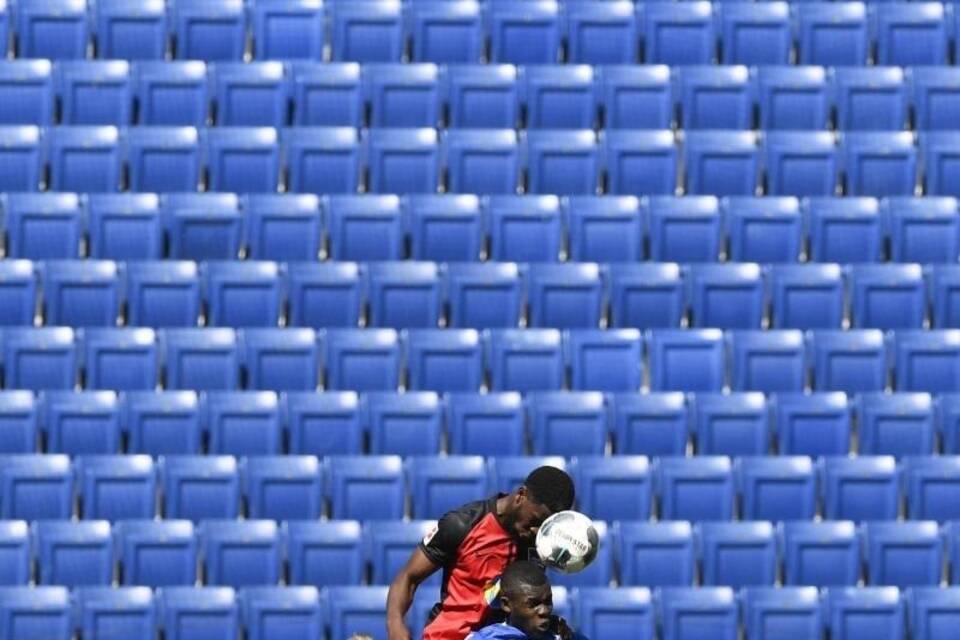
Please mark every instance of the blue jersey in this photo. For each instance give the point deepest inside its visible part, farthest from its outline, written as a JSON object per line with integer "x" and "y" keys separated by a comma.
{"x": 504, "y": 631}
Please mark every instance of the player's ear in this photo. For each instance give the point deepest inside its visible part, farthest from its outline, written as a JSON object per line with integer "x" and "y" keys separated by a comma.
{"x": 504, "y": 604}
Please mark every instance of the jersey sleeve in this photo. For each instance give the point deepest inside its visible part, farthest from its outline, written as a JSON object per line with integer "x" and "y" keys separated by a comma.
{"x": 441, "y": 544}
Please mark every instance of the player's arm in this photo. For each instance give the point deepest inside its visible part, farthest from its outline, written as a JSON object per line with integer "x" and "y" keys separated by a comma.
{"x": 418, "y": 568}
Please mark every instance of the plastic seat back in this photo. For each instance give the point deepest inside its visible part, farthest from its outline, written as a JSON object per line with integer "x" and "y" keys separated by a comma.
{"x": 120, "y": 359}
{"x": 526, "y": 360}
{"x": 484, "y": 295}
{"x": 367, "y": 227}
{"x": 290, "y": 612}
{"x": 131, "y": 30}
{"x": 686, "y": 360}
{"x": 162, "y": 294}
{"x": 156, "y": 554}
{"x": 777, "y": 488}
{"x": 851, "y": 361}
{"x": 323, "y": 424}
{"x": 289, "y": 30}
{"x": 18, "y": 422}
{"x": 732, "y": 425}
{"x": 26, "y": 88}
{"x": 768, "y": 361}
{"x": 871, "y": 611}
{"x": 125, "y": 226}
{"x": 403, "y": 95}
{"x": 899, "y": 424}
{"x": 327, "y": 95}
{"x": 117, "y": 487}
{"x": 833, "y": 34}
{"x": 652, "y": 424}
{"x": 368, "y": 32}
{"x": 106, "y": 612}
{"x": 439, "y": 485}
{"x": 820, "y": 554}
{"x": 18, "y": 293}
{"x": 243, "y": 159}
{"x": 322, "y": 160}
{"x": 200, "y": 487}
{"x": 251, "y": 94}
{"x": 678, "y": 35}
{"x": 444, "y": 32}
{"x": 444, "y": 360}
{"x": 700, "y": 488}
{"x": 52, "y": 29}
{"x": 486, "y": 424}
{"x": 562, "y": 162}
{"x": 201, "y": 359}
{"x": 806, "y": 296}
{"x": 404, "y": 294}
{"x": 95, "y": 92}
{"x": 281, "y": 359}
{"x": 879, "y": 163}
{"x": 482, "y": 96}
{"x": 404, "y": 424}
{"x": 36, "y": 613}
{"x": 242, "y": 294}
{"x": 42, "y": 226}
{"x": 22, "y": 157}
{"x": 73, "y": 554}
{"x": 212, "y": 31}
{"x": 39, "y": 359}
{"x": 524, "y": 228}
{"x": 172, "y": 93}
{"x": 636, "y": 97}
{"x": 365, "y": 487}
{"x": 688, "y": 612}
{"x": 863, "y": 488}
{"x": 655, "y": 554}
{"x": 240, "y": 554}
{"x": 683, "y": 229}
{"x": 189, "y": 613}
{"x": 904, "y": 554}
{"x": 524, "y": 34}
{"x": 568, "y": 423}
{"x": 243, "y": 423}
{"x": 283, "y": 227}
{"x": 325, "y": 553}
{"x": 325, "y": 295}
{"x": 738, "y": 554}
{"x": 361, "y": 359}
{"x": 204, "y": 226}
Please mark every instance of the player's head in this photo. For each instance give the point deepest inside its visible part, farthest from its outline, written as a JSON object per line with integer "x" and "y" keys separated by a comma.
{"x": 546, "y": 491}
{"x": 526, "y": 598}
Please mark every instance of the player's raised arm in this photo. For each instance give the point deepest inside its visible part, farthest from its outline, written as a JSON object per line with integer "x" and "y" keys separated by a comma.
{"x": 418, "y": 568}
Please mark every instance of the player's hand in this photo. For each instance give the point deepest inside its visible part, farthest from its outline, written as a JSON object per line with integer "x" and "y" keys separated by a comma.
{"x": 562, "y": 629}
{"x": 398, "y": 632}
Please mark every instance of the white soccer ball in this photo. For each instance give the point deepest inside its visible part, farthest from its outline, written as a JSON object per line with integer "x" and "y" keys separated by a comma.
{"x": 567, "y": 541}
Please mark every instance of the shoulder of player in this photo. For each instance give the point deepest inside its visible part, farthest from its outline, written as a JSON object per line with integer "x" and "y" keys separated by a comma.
{"x": 466, "y": 517}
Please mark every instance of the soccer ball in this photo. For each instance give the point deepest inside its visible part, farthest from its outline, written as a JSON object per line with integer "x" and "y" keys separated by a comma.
{"x": 567, "y": 541}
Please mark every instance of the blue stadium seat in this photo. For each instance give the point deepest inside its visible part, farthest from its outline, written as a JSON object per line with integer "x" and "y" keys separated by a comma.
{"x": 716, "y": 97}
{"x": 565, "y": 295}
{"x": 14, "y": 553}
{"x": 879, "y": 163}
{"x": 737, "y": 554}
{"x": 870, "y": 98}
{"x": 601, "y": 33}
{"x": 655, "y": 554}
{"x": 925, "y": 230}
{"x": 171, "y": 93}
{"x": 105, "y": 612}
{"x": 600, "y": 571}
{"x": 934, "y": 97}
{"x": 484, "y": 295}
{"x": 446, "y": 227}
{"x": 322, "y": 160}
{"x": 614, "y": 488}
{"x": 777, "y": 488}
{"x": 444, "y": 360}
{"x": 325, "y": 295}
{"x": 652, "y": 424}
{"x": 322, "y": 424}
{"x": 156, "y": 553}
{"x": 768, "y": 361}
{"x": 404, "y": 294}
{"x": 903, "y": 554}
{"x": 130, "y": 29}
{"x": 646, "y": 295}
{"x": 481, "y": 160}
{"x": 731, "y": 425}
{"x": 124, "y": 226}
{"x": 39, "y": 359}
{"x": 766, "y": 230}
{"x": 242, "y": 423}
{"x": 605, "y": 360}
{"x": 832, "y": 34}
{"x": 911, "y": 35}
{"x": 203, "y": 226}
{"x": 772, "y": 612}
{"x": 721, "y": 163}
{"x": 288, "y": 30}
{"x": 445, "y": 32}
{"x": 324, "y": 553}
{"x": 240, "y": 554}
{"x": 561, "y": 162}
{"x": 242, "y": 294}
{"x": 200, "y": 487}
{"x": 367, "y": 227}
{"x": 42, "y": 226}
{"x": 81, "y": 293}
{"x": 281, "y": 359}
{"x": 898, "y": 424}
{"x": 863, "y": 488}
{"x": 793, "y": 98}
{"x": 365, "y": 487}
{"x": 253, "y": 94}
{"x": 162, "y": 294}
{"x": 486, "y": 424}
{"x": 680, "y": 34}
{"x": 244, "y": 159}
{"x": 482, "y": 96}
{"x": 639, "y": 162}
{"x": 438, "y": 485}
{"x": 932, "y": 485}
{"x": 636, "y": 97}
{"x": 927, "y": 360}
{"x": 94, "y": 92}
{"x": 21, "y": 158}
{"x": 684, "y": 229}
{"x": 367, "y": 32}
{"x": 524, "y": 228}
{"x": 207, "y": 613}
{"x": 605, "y": 612}
{"x": 201, "y": 359}
{"x": 403, "y": 95}
{"x": 209, "y": 31}
{"x": 755, "y": 35}
{"x": 361, "y": 359}
{"x": 700, "y": 488}
{"x": 933, "y": 611}
{"x": 943, "y": 284}
{"x": 844, "y": 229}
{"x": 18, "y": 293}
{"x": 887, "y": 296}
{"x": 815, "y": 424}
{"x": 950, "y": 532}
{"x": 850, "y": 361}
{"x": 568, "y": 423}
{"x": 689, "y": 613}
{"x": 820, "y": 554}
{"x": 404, "y": 424}
{"x": 18, "y": 422}
{"x": 526, "y": 360}
{"x": 73, "y": 554}
{"x": 604, "y": 228}
{"x": 36, "y": 613}
{"x": 353, "y": 610}
{"x": 287, "y": 612}
{"x": 875, "y": 612}
{"x": 402, "y": 160}
{"x": 36, "y": 487}
{"x": 26, "y": 92}
{"x": 282, "y": 227}
{"x": 558, "y": 97}
{"x": 686, "y": 360}
{"x": 162, "y": 423}
{"x": 527, "y": 33}
{"x": 117, "y": 487}
{"x": 53, "y": 29}
{"x": 506, "y": 473}
{"x": 728, "y": 296}
{"x": 327, "y": 95}
{"x": 85, "y": 158}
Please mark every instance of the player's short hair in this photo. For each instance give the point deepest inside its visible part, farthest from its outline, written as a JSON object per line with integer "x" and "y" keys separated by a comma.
{"x": 521, "y": 574}
{"x": 550, "y": 487}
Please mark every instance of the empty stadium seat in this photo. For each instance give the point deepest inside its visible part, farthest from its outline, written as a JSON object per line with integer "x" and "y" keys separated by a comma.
{"x": 162, "y": 294}
{"x": 252, "y": 94}
{"x": 243, "y": 423}
{"x": 903, "y": 554}
{"x": 365, "y": 487}
{"x": 772, "y": 360}
{"x": 124, "y": 226}
{"x": 211, "y": 31}
{"x": 240, "y": 554}
{"x": 887, "y": 296}
{"x": 204, "y": 226}
{"x": 484, "y": 295}
{"x": 323, "y": 423}
{"x": 820, "y": 554}
{"x": 242, "y": 294}
{"x": 568, "y": 423}
{"x": 565, "y": 295}
{"x": 871, "y": 611}
{"x": 18, "y": 422}
{"x": 792, "y": 98}
{"x": 42, "y": 226}
{"x": 716, "y": 97}
{"x": 26, "y": 89}
{"x": 39, "y": 359}
{"x": 481, "y": 160}
{"x": 81, "y": 293}
{"x": 367, "y": 32}
{"x": 728, "y": 296}
{"x": 927, "y": 360}
{"x": 171, "y": 93}
{"x": 37, "y": 613}
{"x": 524, "y": 34}
{"x": 444, "y": 360}
{"x": 14, "y": 553}
{"x": 36, "y": 487}
{"x": 604, "y": 228}
{"x": 863, "y": 488}
{"x": 850, "y": 361}
{"x": 932, "y": 611}
{"x": 389, "y": 545}
{"x": 200, "y": 487}
{"x": 53, "y": 29}
{"x": 322, "y": 160}
{"x": 806, "y": 296}
{"x": 244, "y": 159}
{"x": 506, "y": 473}
{"x": 832, "y": 34}
{"x": 934, "y": 98}
{"x": 526, "y": 360}
{"x": 737, "y": 554}
{"x": 899, "y": 424}
{"x": 281, "y": 359}
{"x": 105, "y": 612}
{"x": 130, "y": 30}
{"x": 678, "y": 34}
{"x": 651, "y": 424}
{"x": 207, "y": 613}
{"x": 879, "y": 163}
{"x": 953, "y": 546}
{"x": 558, "y": 97}
{"x": 486, "y": 424}
{"x": 686, "y": 360}
{"x": 721, "y": 163}
{"x": 73, "y": 554}
{"x": 162, "y": 423}
{"x": 482, "y": 96}
{"x": 404, "y": 424}
{"x": 288, "y": 30}
{"x": 616, "y": 488}
{"x": 911, "y": 35}
{"x": 448, "y": 226}
{"x": 361, "y": 359}
{"x": 367, "y": 227}
{"x": 163, "y": 158}
{"x": 731, "y": 425}
{"x": 117, "y": 487}
{"x": 699, "y": 488}
{"x": 324, "y": 553}
{"x": 327, "y": 95}
{"x": 156, "y": 554}
{"x": 932, "y": 485}
{"x": 564, "y": 162}
{"x": 755, "y": 35}
{"x": 439, "y": 485}
{"x": 639, "y": 162}
{"x": 624, "y": 612}
{"x": 324, "y": 295}
{"x": 655, "y": 554}
{"x": 94, "y": 92}
{"x": 943, "y": 281}
{"x": 85, "y": 158}
{"x": 689, "y": 613}
{"x": 282, "y": 227}
{"x": 766, "y": 230}
{"x": 605, "y": 360}
{"x": 800, "y": 163}
{"x": 636, "y": 97}
{"x": 201, "y": 359}
{"x": 290, "y": 612}
{"x": 817, "y": 424}
{"x": 444, "y": 32}
{"x": 524, "y": 228}
{"x": 777, "y": 488}
{"x": 403, "y": 95}
{"x": 357, "y": 610}
{"x": 646, "y": 295}
{"x": 404, "y": 294}
{"x": 772, "y": 612}
{"x": 22, "y": 158}
{"x": 870, "y": 98}
{"x": 684, "y": 229}
{"x": 925, "y": 230}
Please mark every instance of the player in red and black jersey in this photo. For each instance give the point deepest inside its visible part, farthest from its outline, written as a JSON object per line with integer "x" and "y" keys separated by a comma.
{"x": 473, "y": 545}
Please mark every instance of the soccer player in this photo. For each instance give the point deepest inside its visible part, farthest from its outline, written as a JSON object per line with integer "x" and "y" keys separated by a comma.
{"x": 473, "y": 545}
